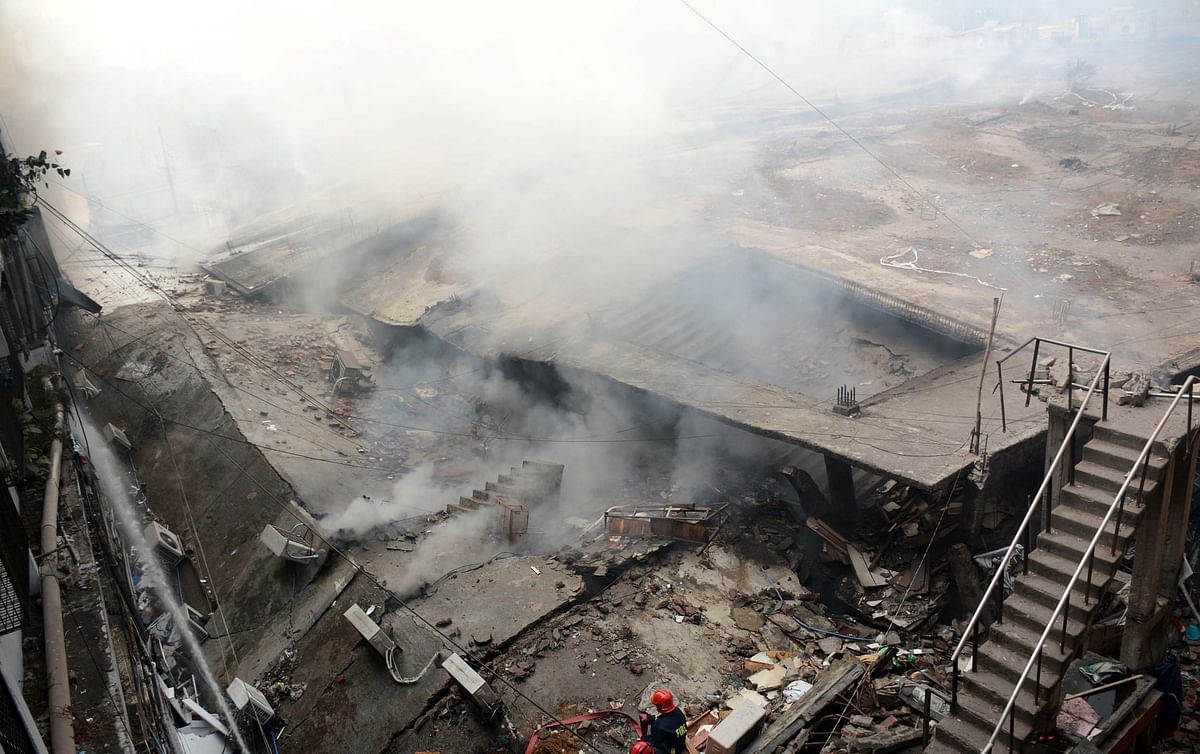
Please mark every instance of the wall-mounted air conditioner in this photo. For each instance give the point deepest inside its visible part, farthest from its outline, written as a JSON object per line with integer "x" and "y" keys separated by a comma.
{"x": 196, "y": 621}
{"x": 243, "y": 694}
{"x": 117, "y": 437}
{"x": 164, "y": 543}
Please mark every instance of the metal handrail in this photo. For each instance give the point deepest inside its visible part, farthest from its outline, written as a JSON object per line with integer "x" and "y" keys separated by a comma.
{"x": 972, "y": 627}
{"x": 1076, "y": 346}
{"x": 1185, "y": 389}
{"x": 1037, "y": 342}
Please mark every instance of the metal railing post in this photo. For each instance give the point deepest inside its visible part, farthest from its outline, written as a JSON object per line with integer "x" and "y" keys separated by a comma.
{"x": 1187, "y": 434}
{"x": 1000, "y": 381}
{"x": 1070, "y": 377}
{"x": 1025, "y": 563}
{"x": 975, "y": 648}
{"x": 1062, "y": 641}
{"x": 954, "y": 685}
{"x": 1012, "y": 726}
{"x": 1087, "y": 592}
{"x": 1047, "y": 504}
{"x": 1037, "y": 683}
{"x": 1071, "y": 451}
{"x": 1032, "y": 371}
{"x": 1104, "y": 406}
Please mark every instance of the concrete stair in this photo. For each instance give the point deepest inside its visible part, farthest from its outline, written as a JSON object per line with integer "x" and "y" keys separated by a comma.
{"x": 531, "y": 482}
{"x": 999, "y": 661}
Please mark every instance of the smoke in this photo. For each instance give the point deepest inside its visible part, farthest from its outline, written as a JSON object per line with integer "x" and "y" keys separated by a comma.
{"x": 414, "y": 496}
{"x": 116, "y": 484}
{"x": 201, "y": 117}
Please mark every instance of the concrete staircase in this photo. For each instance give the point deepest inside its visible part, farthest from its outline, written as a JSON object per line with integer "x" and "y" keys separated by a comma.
{"x": 532, "y": 482}
{"x": 984, "y": 692}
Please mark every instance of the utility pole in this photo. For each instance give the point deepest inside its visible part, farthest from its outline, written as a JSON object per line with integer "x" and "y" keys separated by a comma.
{"x": 167, "y": 167}
{"x": 975, "y": 433}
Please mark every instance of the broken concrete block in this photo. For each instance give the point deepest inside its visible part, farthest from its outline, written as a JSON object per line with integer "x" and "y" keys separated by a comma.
{"x": 830, "y": 645}
{"x": 766, "y": 680}
{"x": 729, "y": 736}
{"x": 1137, "y": 390}
{"x": 746, "y": 696}
{"x": 747, "y": 619}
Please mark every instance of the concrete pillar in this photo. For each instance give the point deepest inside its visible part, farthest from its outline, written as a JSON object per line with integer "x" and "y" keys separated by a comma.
{"x": 1178, "y": 507}
{"x": 841, "y": 484}
{"x": 1058, "y": 421}
{"x": 1143, "y": 587}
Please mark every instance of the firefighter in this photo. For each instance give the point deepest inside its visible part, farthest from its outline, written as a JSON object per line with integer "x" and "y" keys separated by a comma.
{"x": 668, "y": 731}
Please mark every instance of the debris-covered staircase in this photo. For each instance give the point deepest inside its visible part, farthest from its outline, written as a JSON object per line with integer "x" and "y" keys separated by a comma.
{"x": 531, "y": 482}
{"x": 984, "y": 691}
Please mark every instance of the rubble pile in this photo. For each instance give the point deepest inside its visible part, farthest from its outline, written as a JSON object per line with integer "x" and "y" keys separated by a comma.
{"x": 276, "y": 683}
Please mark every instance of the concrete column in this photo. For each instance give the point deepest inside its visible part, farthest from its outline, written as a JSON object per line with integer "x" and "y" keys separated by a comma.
{"x": 841, "y": 484}
{"x": 1143, "y": 587}
{"x": 1058, "y": 421}
{"x": 1178, "y": 505}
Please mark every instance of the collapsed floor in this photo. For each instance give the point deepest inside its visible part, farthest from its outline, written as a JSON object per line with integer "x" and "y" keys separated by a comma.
{"x": 576, "y": 620}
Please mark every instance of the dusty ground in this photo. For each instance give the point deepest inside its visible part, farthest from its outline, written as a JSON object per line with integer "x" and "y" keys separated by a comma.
{"x": 995, "y": 171}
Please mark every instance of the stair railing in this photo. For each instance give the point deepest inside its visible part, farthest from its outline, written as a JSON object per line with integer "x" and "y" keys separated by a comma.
{"x": 1063, "y": 607}
{"x": 1022, "y": 536}
{"x": 1030, "y": 382}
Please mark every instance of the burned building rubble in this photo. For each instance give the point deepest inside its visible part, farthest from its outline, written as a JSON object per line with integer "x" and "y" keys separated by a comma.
{"x": 879, "y": 444}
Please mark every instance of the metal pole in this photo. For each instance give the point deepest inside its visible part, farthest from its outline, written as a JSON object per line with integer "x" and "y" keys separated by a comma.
{"x": 1062, "y": 641}
{"x": 1032, "y": 370}
{"x": 1070, "y": 377}
{"x": 1188, "y": 434}
{"x": 975, "y": 648}
{"x": 925, "y": 718}
{"x": 1104, "y": 406}
{"x": 1000, "y": 380}
{"x": 1071, "y": 452}
{"x": 987, "y": 354}
{"x": 1087, "y": 592}
{"x": 1046, "y": 505}
{"x": 1025, "y": 562}
{"x": 62, "y": 732}
{"x": 954, "y": 684}
{"x": 1012, "y": 724}
{"x": 1037, "y": 688}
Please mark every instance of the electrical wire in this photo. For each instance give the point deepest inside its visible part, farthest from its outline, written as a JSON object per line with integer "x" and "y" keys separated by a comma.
{"x": 831, "y": 121}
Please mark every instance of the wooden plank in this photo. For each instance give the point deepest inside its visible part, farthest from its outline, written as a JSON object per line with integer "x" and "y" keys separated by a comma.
{"x": 837, "y": 680}
{"x": 862, "y": 568}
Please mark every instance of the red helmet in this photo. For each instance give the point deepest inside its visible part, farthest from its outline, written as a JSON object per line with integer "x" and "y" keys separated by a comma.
{"x": 641, "y": 747}
{"x": 663, "y": 700}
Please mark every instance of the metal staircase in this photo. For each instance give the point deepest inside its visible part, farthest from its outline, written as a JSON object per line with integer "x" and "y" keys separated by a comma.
{"x": 1013, "y": 686}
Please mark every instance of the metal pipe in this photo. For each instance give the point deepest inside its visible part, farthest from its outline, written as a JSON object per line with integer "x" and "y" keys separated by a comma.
{"x": 1104, "y": 406}
{"x": 1000, "y": 384}
{"x": 62, "y": 731}
{"x": 1070, "y": 377}
{"x": 1043, "y": 490}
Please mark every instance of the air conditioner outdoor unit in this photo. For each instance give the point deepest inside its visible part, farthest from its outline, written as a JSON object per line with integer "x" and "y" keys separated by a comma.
{"x": 164, "y": 543}
{"x": 117, "y": 437}
{"x": 196, "y": 621}
{"x": 242, "y": 694}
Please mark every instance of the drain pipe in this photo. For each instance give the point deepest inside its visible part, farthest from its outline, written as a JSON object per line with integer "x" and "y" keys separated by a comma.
{"x": 62, "y": 731}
